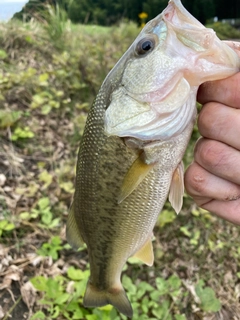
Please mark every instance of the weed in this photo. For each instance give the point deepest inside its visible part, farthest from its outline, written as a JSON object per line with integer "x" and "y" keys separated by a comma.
{"x": 42, "y": 211}
{"x": 51, "y": 248}
{"x": 5, "y": 227}
{"x": 148, "y": 301}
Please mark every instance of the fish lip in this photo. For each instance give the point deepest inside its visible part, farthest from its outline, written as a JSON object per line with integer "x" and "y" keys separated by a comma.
{"x": 176, "y": 5}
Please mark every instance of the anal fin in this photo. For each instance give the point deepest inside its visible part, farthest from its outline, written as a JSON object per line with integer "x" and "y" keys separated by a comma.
{"x": 145, "y": 254}
{"x": 72, "y": 231}
{"x": 177, "y": 188}
{"x": 135, "y": 175}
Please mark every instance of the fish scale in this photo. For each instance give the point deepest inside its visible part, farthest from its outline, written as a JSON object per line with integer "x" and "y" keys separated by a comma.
{"x": 136, "y": 134}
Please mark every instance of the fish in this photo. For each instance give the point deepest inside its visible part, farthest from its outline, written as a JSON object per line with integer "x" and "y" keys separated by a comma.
{"x": 136, "y": 133}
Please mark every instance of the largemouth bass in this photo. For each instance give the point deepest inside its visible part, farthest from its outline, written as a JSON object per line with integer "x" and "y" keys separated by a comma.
{"x": 130, "y": 157}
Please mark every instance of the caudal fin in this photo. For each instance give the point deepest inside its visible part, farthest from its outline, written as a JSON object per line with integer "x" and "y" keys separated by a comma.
{"x": 116, "y": 297}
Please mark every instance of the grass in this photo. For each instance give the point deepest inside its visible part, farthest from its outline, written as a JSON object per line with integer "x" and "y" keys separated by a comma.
{"x": 46, "y": 87}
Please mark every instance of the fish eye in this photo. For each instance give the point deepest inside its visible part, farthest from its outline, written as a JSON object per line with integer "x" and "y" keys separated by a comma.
{"x": 145, "y": 45}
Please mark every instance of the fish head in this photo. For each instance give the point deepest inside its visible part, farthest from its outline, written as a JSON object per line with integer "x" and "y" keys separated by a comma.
{"x": 155, "y": 82}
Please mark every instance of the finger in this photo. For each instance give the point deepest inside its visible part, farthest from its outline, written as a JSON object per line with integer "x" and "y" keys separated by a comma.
{"x": 218, "y": 158}
{"x": 227, "y": 210}
{"x": 204, "y": 186}
{"x": 224, "y": 91}
{"x": 219, "y": 122}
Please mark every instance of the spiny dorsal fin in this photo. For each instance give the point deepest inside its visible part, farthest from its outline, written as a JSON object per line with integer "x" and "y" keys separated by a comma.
{"x": 145, "y": 254}
{"x": 72, "y": 232}
{"x": 177, "y": 188}
{"x": 135, "y": 175}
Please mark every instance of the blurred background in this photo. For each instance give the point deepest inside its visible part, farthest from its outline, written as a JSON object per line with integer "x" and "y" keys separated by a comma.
{"x": 107, "y": 12}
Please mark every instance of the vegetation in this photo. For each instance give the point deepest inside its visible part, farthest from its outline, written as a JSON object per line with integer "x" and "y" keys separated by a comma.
{"x": 108, "y": 12}
{"x": 49, "y": 76}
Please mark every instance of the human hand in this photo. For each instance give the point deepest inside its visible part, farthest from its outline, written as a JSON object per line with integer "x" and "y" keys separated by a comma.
{"x": 213, "y": 179}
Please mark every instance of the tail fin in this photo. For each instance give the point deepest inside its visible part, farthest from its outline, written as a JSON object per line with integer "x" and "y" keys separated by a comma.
{"x": 116, "y": 297}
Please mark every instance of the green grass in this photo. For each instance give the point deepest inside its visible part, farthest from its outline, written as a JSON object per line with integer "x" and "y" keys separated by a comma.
{"x": 225, "y": 31}
{"x": 47, "y": 85}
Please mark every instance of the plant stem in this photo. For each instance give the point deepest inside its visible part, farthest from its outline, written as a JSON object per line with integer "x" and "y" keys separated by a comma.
{"x": 12, "y": 308}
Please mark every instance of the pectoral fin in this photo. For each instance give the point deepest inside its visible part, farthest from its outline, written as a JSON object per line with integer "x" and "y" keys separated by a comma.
{"x": 135, "y": 175}
{"x": 145, "y": 254}
{"x": 177, "y": 188}
{"x": 72, "y": 232}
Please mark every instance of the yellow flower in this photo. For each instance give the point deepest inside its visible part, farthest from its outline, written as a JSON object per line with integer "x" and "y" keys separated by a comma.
{"x": 143, "y": 15}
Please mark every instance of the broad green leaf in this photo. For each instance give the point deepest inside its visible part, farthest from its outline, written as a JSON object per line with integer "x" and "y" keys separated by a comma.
{"x": 145, "y": 304}
{"x": 155, "y": 295}
{"x": 8, "y": 118}
{"x": 22, "y": 133}
{"x": 75, "y": 274}
{"x": 185, "y": 231}
{"x": 166, "y": 216}
{"x": 180, "y": 317}
{"x": 37, "y": 100}
{"x": 3, "y": 224}
{"x": 162, "y": 286}
{"x": 91, "y": 317}
{"x": 45, "y": 177}
{"x": 25, "y": 215}
{"x": 162, "y": 311}
{"x": 9, "y": 226}
{"x": 53, "y": 288}
{"x": 40, "y": 283}
{"x": 127, "y": 283}
{"x": 61, "y": 299}
{"x": 174, "y": 282}
{"x": 43, "y": 203}
{"x": 195, "y": 212}
{"x": 108, "y": 307}
{"x": 43, "y": 77}
{"x": 46, "y": 109}
{"x": 38, "y": 316}
{"x": 142, "y": 288}
{"x": 3, "y": 54}
{"x": 29, "y": 39}
{"x": 54, "y": 223}
{"x": 55, "y": 312}
{"x": 208, "y": 299}
{"x": 47, "y": 218}
{"x": 56, "y": 240}
{"x": 68, "y": 187}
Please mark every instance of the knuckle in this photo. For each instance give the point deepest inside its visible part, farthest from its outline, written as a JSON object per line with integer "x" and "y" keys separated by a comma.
{"x": 233, "y": 91}
{"x": 210, "y": 154}
{"x": 213, "y": 120}
{"x": 195, "y": 180}
{"x": 206, "y": 117}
